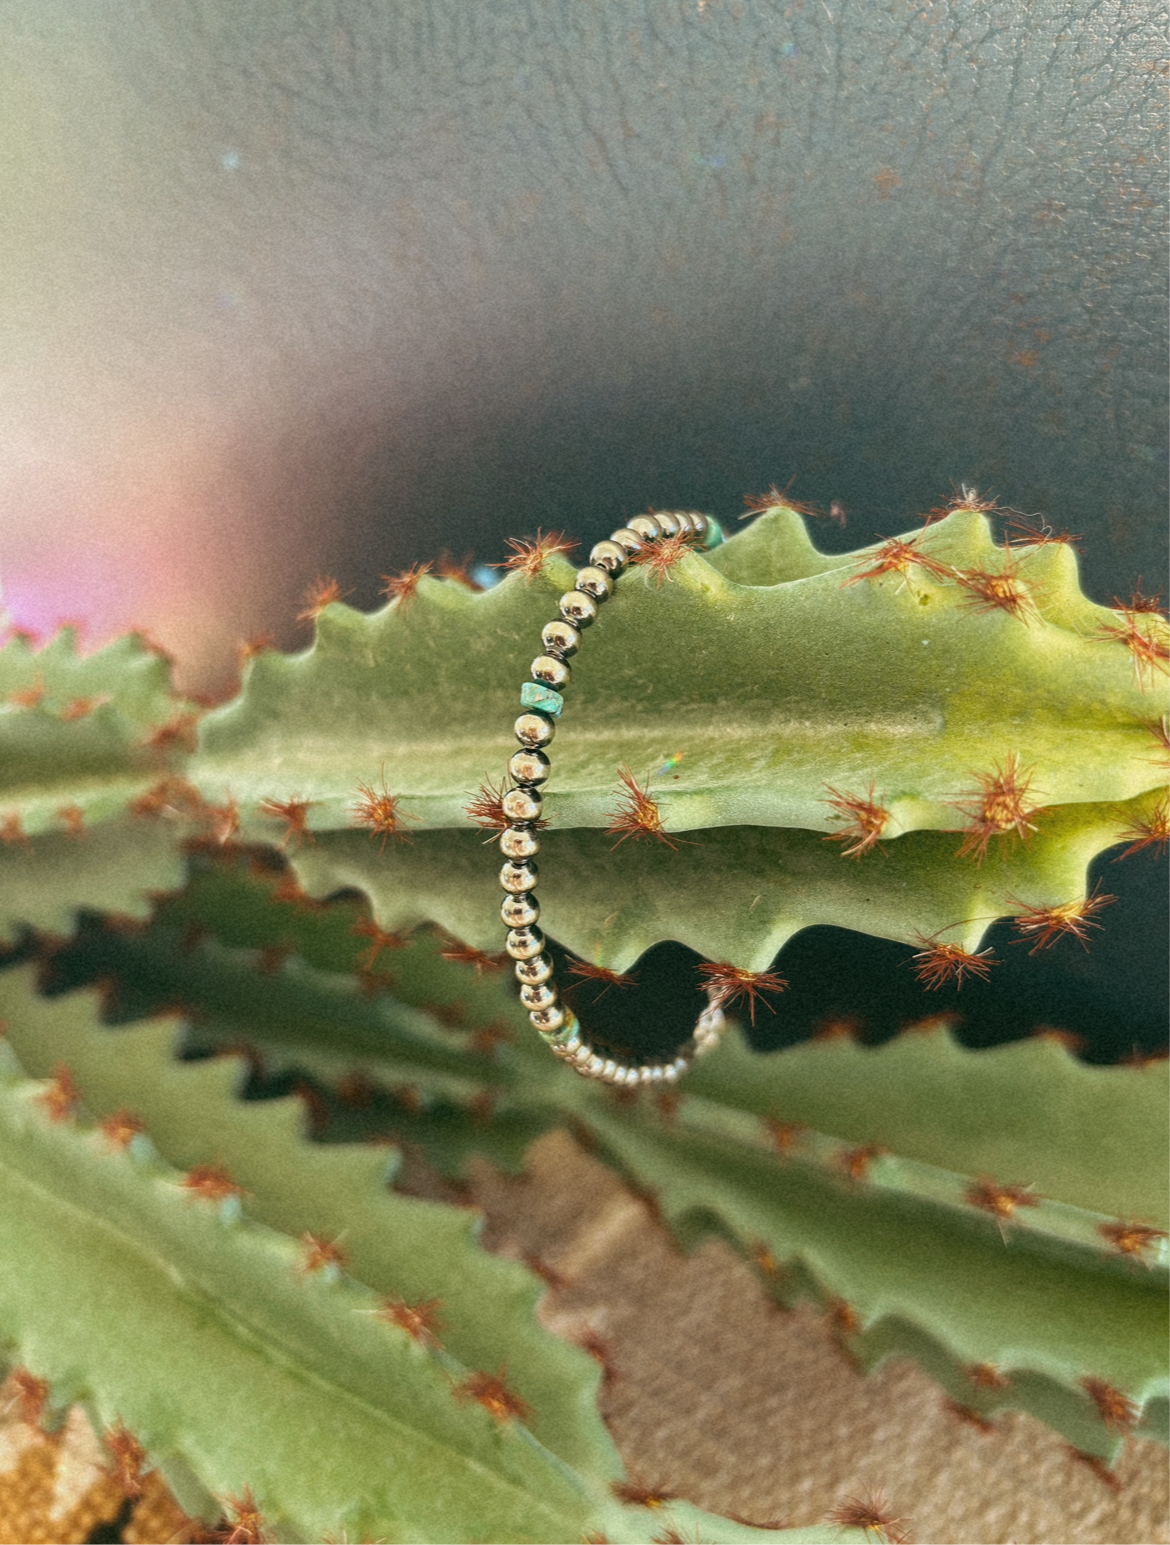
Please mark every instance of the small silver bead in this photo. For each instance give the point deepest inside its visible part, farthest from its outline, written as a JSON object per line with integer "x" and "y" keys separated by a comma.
{"x": 629, "y": 541}
{"x": 609, "y": 556}
{"x": 533, "y": 729}
{"x": 686, "y": 522}
{"x": 546, "y": 1020}
{"x": 524, "y": 943}
{"x": 538, "y": 969}
{"x": 668, "y": 523}
{"x": 518, "y": 877}
{"x": 520, "y": 911}
{"x": 552, "y": 672}
{"x": 699, "y": 521}
{"x": 578, "y": 608}
{"x": 593, "y": 1065}
{"x": 529, "y": 766}
{"x": 522, "y": 804}
{"x": 561, "y": 636}
{"x": 519, "y": 842}
{"x": 608, "y": 1070}
{"x": 646, "y": 527}
{"x": 538, "y": 996}
{"x": 595, "y": 582}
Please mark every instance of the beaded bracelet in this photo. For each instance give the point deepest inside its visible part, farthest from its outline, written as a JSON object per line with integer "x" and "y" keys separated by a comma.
{"x": 542, "y": 700}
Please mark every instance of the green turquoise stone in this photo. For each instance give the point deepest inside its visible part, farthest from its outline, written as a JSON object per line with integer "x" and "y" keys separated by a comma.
{"x": 714, "y": 537}
{"x": 534, "y": 695}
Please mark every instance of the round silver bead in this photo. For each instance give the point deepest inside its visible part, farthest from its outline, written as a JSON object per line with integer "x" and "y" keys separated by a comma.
{"x": 538, "y": 996}
{"x": 524, "y": 943}
{"x": 560, "y": 636}
{"x": 578, "y": 608}
{"x": 699, "y": 521}
{"x": 519, "y": 842}
{"x": 520, "y": 911}
{"x": 522, "y": 804}
{"x": 552, "y": 672}
{"x": 646, "y": 528}
{"x": 547, "y": 1020}
{"x": 538, "y": 969}
{"x": 608, "y": 556}
{"x": 518, "y": 877}
{"x": 595, "y": 582}
{"x": 529, "y": 766}
{"x": 687, "y": 522}
{"x": 668, "y": 523}
{"x": 533, "y": 729}
{"x": 628, "y": 540}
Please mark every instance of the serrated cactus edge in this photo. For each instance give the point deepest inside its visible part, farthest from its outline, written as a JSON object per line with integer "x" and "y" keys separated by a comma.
{"x": 230, "y": 1280}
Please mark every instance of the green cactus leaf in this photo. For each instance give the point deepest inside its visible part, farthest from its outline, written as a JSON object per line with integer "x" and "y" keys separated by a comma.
{"x": 939, "y": 1137}
{"x": 81, "y": 736}
{"x": 402, "y": 1247}
{"x": 200, "y": 1328}
{"x": 915, "y": 1249}
{"x": 743, "y": 688}
{"x": 732, "y": 893}
{"x": 118, "y": 866}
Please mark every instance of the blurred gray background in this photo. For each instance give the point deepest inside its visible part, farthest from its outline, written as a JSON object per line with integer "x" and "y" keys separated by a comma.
{"x": 293, "y": 286}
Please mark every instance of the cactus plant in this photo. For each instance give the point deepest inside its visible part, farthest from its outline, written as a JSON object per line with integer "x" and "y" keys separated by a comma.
{"x": 911, "y": 741}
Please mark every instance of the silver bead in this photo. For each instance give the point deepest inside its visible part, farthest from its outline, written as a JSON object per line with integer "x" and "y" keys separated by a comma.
{"x": 560, "y": 636}
{"x": 538, "y": 969}
{"x": 529, "y": 766}
{"x": 686, "y": 522}
{"x": 552, "y": 672}
{"x": 699, "y": 521}
{"x": 533, "y": 729}
{"x": 646, "y": 527}
{"x": 547, "y": 1020}
{"x": 668, "y": 523}
{"x": 520, "y": 911}
{"x": 578, "y": 608}
{"x": 518, "y": 877}
{"x": 595, "y": 582}
{"x": 538, "y": 996}
{"x": 524, "y": 943}
{"x": 628, "y": 540}
{"x": 522, "y": 804}
{"x": 519, "y": 842}
{"x": 608, "y": 556}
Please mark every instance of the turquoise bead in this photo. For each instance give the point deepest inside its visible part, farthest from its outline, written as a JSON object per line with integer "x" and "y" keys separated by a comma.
{"x": 533, "y": 695}
{"x": 714, "y": 537}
